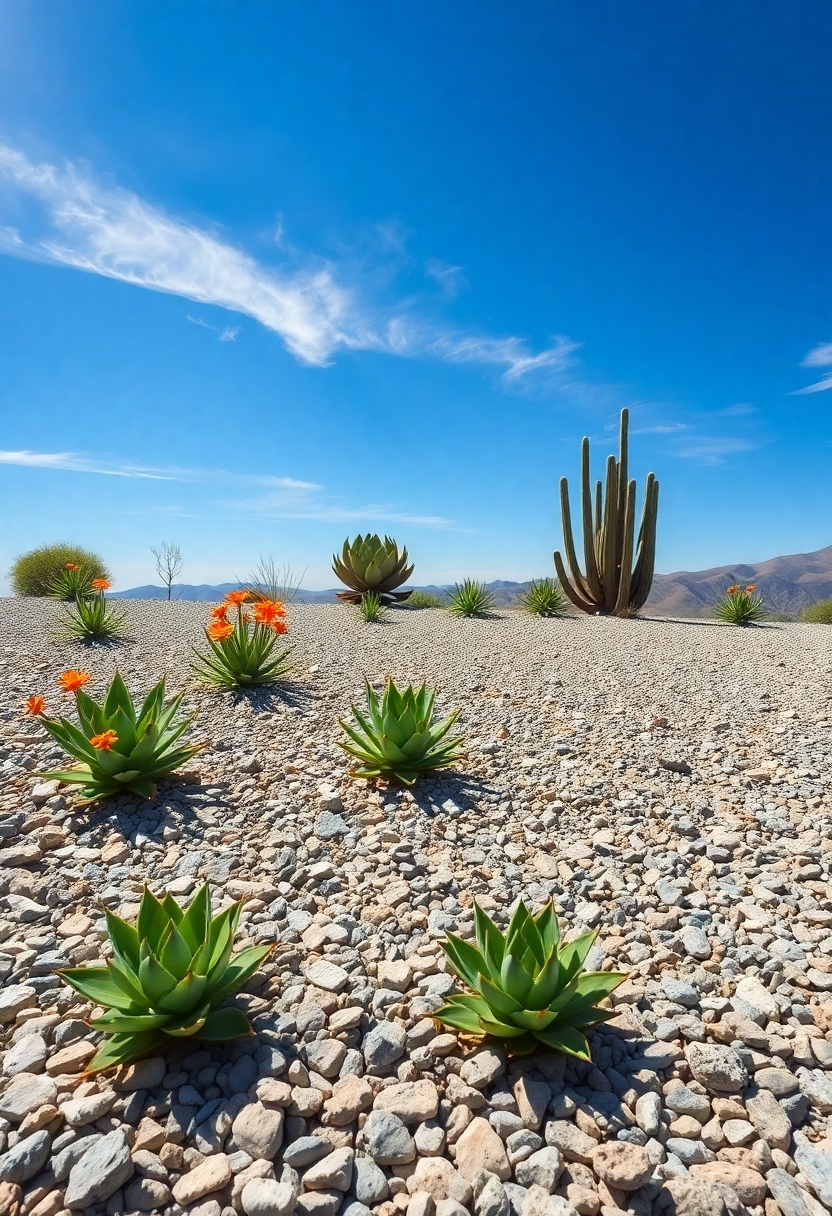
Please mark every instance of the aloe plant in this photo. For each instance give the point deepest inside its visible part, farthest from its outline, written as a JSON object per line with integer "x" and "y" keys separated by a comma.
{"x": 470, "y": 598}
{"x": 543, "y": 597}
{"x": 168, "y": 975}
{"x": 527, "y": 988}
{"x": 397, "y": 738}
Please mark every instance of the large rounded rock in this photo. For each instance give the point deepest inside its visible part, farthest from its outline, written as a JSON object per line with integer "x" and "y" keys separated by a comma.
{"x": 258, "y": 1131}
{"x": 623, "y": 1166}
{"x": 387, "y": 1139}
{"x": 480, "y": 1148}
{"x": 718, "y": 1068}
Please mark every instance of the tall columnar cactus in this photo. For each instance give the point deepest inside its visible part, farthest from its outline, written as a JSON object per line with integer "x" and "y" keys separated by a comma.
{"x": 613, "y": 584}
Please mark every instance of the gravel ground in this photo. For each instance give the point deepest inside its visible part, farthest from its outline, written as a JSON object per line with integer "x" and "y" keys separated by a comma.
{"x": 666, "y": 781}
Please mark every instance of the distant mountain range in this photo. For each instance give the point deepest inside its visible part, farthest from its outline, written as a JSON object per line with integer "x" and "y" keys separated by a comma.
{"x": 787, "y": 585}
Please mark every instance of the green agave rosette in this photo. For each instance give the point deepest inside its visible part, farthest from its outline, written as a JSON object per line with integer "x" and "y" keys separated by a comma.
{"x": 527, "y": 988}
{"x": 145, "y": 748}
{"x": 397, "y": 738}
{"x": 369, "y": 563}
{"x": 168, "y": 975}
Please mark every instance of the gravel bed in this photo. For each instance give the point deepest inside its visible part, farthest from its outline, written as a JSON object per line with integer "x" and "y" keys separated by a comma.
{"x": 665, "y": 781}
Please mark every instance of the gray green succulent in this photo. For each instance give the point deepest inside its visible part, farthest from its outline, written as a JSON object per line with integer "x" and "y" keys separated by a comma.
{"x": 369, "y": 563}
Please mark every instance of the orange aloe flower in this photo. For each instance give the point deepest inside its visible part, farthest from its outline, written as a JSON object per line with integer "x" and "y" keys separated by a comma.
{"x": 71, "y": 681}
{"x": 236, "y": 597}
{"x": 280, "y": 627}
{"x": 219, "y": 630}
{"x": 751, "y": 587}
{"x": 101, "y": 584}
{"x": 104, "y": 741}
{"x": 732, "y": 590}
{"x": 71, "y": 566}
{"x": 219, "y": 613}
{"x": 35, "y": 706}
{"x": 266, "y": 612}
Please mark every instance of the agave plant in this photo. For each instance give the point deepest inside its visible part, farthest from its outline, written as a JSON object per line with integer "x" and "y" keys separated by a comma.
{"x": 543, "y": 597}
{"x": 246, "y": 651}
{"x": 91, "y": 618}
{"x": 397, "y": 738}
{"x": 470, "y": 598}
{"x": 168, "y": 974}
{"x": 118, "y": 749}
{"x": 72, "y": 582}
{"x": 526, "y": 987}
{"x": 371, "y": 564}
{"x": 740, "y": 606}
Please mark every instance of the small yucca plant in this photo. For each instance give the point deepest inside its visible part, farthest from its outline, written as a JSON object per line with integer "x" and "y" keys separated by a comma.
{"x": 470, "y": 598}
{"x": 91, "y": 618}
{"x": 118, "y": 749}
{"x": 371, "y": 608}
{"x": 73, "y": 582}
{"x": 526, "y": 987}
{"x": 544, "y": 597}
{"x": 168, "y": 975}
{"x": 740, "y": 606}
{"x": 246, "y": 651}
{"x": 397, "y": 738}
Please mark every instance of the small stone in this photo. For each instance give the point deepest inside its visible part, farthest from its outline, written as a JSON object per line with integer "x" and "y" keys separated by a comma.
{"x": 27, "y": 1055}
{"x": 648, "y": 1113}
{"x": 481, "y": 1069}
{"x": 574, "y": 1144}
{"x": 623, "y": 1166}
{"x": 14, "y": 998}
{"x": 80, "y": 1111}
{"x": 532, "y": 1098}
{"x": 306, "y": 1150}
{"x": 411, "y": 1101}
{"x": 817, "y": 1087}
{"x": 369, "y": 1182}
{"x": 695, "y": 1197}
{"x": 326, "y": 1056}
{"x": 778, "y": 1081}
{"x": 384, "y": 1045}
{"x": 387, "y": 1139}
{"x": 144, "y": 1074}
{"x": 815, "y": 1164}
{"x": 328, "y": 976}
{"x": 146, "y": 1195}
{"x": 331, "y": 1173}
{"x": 26, "y": 1158}
{"x": 350, "y": 1096}
{"x": 258, "y": 1131}
{"x": 210, "y": 1175}
{"x": 27, "y": 1092}
{"x": 269, "y": 1197}
{"x": 437, "y": 1176}
{"x": 541, "y": 1168}
{"x": 480, "y": 1148}
{"x": 100, "y": 1172}
{"x": 770, "y": 1120}
{"x": 71, "y": 1059}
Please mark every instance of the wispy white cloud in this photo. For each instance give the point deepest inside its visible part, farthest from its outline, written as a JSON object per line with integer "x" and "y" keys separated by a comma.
{"x": 68, "y": 218}
{"x": 263, "y": 495}
{"x": 661, "y": 428}
{"x": 450, "y": 278}
{"x": 713, "y": 449}
{"x": 819, "y": 356}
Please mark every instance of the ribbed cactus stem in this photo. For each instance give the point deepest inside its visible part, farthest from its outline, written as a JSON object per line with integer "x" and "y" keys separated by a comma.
{"x": 613, "y": 582}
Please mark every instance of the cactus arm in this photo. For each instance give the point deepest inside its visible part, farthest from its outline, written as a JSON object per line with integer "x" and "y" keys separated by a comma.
{"x": 609, "y": 573}
{"x": 622, "y": 603}
{"x": 599, "y": 507}
{"x": 575, "y": 596}
{"x": 569, "y": 543}
{"x": 592, "y": 579}
{"x": 645, "y": 564}
{"x": 623, "y": 483}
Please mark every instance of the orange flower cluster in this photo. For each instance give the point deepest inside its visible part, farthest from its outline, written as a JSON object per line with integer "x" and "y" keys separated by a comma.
{"x": 71, "y": 681}
{"x": 271, "y": 613}
{"x": 237, "y": 597}
{"x": 220, "y": 630}
{"x": 101, "y": 584}
{"x": 71, "y": 566}
{"x": 104, "y": 741}
{"x": 220, "y": 612}
{"x": 35, "y": 706}
{"x": 735, "y": 589}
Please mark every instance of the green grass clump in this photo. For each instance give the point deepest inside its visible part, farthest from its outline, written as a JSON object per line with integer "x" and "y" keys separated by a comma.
{"x": 424, "y": 599}
{"x": 544, "y": 597}
{"x": 818, "y": 614}
{"x": 39, "y": 571}
{"x": 470, "y": 598}
{"x": 371, "y": 608}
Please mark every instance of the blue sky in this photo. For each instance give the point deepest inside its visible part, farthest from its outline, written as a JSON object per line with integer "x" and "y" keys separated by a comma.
{"x": 275, "y": 273}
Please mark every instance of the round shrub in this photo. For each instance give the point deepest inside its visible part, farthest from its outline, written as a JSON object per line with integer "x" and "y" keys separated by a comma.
{"x": 819, "y": 613}
{"x": 34, "y": 573}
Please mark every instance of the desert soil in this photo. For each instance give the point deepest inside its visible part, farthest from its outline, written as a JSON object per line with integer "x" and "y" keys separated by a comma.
{"x": 665, "y": 782}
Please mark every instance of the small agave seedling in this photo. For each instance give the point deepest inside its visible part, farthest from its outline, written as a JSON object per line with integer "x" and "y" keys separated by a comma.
{"x": 168, "y": 975}
{"x": 543, "y": 597}
{"x": 526, "y": 987}
{"x": 91, "y": 618}
{"x": 397, "y": 739}
{"x": 470, "y": 598}
{"x": 118, "y": 749}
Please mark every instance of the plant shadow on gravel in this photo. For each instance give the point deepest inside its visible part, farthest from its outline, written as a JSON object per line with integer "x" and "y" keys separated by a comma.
{"x": 266, "y": 698}
{"x": 430, "y": 793}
